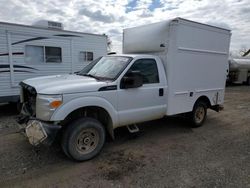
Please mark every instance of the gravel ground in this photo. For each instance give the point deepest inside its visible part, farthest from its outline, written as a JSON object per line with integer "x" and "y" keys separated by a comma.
{"x": 166, "y": 153}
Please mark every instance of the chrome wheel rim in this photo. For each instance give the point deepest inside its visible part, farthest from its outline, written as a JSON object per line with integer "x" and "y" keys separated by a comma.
{"x": 87, "y": 140}
{"x": 199, "y": 114}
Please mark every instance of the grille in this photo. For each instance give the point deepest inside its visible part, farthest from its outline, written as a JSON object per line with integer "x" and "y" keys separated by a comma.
{"x": 29, "y": 99}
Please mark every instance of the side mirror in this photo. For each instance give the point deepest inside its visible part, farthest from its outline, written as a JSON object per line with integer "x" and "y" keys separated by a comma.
{"x": 132, "y": 79}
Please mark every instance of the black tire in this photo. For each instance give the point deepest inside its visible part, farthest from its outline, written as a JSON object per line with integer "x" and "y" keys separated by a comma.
{"x": 63, "y": 143}
{"x": 199, "y": 114}
{"x": 83, "y": 139}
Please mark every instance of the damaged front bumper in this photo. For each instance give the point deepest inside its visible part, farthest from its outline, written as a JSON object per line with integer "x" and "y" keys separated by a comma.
{"x": 39, "y": 132}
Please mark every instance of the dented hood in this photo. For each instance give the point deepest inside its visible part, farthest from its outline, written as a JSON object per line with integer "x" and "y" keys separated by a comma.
{"x": 62, "y": 84}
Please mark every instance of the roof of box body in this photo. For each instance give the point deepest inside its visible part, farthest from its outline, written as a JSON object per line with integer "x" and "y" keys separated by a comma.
{"x": 180, "y": 19}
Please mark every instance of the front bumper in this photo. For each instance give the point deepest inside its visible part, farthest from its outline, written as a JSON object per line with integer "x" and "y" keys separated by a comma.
{"x": 39, "y": 132}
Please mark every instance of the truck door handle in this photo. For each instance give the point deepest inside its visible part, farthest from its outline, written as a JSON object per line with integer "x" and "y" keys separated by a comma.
{"x": 161, "y": 92}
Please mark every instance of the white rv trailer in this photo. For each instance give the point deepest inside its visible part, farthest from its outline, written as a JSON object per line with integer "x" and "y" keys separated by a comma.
{"x": 42, "y": 49}
{"x": 239, "y": 71}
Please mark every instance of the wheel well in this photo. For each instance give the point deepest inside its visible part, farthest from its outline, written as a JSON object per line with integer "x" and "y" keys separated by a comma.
{"x": 205, "y": 100}
{"x": 95, "y": 112}
{"x": 248, "y": 79}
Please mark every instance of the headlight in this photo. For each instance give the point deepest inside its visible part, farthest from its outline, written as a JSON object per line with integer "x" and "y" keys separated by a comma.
{"x": 52, "y": 101}
{"x": 46, "y": 105}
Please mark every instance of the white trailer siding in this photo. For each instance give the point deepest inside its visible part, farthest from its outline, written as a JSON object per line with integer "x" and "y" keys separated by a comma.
{"x": 195, "y": 59}
{"x": 41, "y": 68}
{"x": 14, "y": 40}
{"x": 90, "y": 45}
{"x": 5, "y": 81}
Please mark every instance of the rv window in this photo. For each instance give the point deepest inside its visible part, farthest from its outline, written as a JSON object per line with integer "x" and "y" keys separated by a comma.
{"x": 148, "y": 69}
{"x": 53, "y": 54}
{"x": 86, "y": 56}
{"x": 34, "y": 54}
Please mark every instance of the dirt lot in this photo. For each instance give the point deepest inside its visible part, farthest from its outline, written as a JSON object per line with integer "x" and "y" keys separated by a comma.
{"x": 167, "y": 153}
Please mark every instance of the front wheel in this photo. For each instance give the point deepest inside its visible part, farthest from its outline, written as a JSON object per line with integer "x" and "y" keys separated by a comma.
{"x": 199, "y": 114}
{"x": 83, "y": 139}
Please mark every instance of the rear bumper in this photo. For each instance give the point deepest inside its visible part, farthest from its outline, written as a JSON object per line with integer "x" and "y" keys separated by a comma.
{"x": 39, "y": 132}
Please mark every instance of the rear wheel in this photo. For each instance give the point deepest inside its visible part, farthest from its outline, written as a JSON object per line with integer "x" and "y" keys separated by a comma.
{"x": 83, "y": 139}
{"x": 199, "y": 114}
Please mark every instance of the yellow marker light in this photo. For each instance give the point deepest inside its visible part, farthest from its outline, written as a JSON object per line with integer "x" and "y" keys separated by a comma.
{"x": 55, "y": 104}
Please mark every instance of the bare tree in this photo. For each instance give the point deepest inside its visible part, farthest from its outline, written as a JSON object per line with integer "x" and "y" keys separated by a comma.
{"x": 244, "y": 51}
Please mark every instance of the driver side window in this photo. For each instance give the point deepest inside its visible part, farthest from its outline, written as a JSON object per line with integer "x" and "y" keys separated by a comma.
{"x": 148, "y": 69}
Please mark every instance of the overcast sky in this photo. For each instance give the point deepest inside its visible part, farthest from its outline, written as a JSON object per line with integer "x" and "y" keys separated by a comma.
{"x": 111, "y": 16}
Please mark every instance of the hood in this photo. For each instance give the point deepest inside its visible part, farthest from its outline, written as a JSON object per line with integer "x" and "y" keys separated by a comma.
{"x": 62, "y": 84}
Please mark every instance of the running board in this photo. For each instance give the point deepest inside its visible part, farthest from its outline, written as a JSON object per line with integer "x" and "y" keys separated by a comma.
{"x": 133, "y": 128}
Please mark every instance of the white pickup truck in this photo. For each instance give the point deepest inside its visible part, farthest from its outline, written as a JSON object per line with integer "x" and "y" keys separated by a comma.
{"x": 171, "y": 67}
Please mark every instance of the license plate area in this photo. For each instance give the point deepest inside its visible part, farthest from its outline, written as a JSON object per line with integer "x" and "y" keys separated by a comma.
{"x": 35, "y": 132}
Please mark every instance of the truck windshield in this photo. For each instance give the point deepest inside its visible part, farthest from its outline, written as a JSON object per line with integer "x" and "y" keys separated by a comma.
{"x": 108, "y": 67}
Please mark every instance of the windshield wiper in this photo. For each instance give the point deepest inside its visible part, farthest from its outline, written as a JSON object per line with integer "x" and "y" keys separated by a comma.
{"x": 91, "y": 75}
{"x": 96, "y": 77}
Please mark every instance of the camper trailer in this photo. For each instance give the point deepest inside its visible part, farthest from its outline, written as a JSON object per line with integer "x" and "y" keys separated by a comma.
{"x": 44, "y": 48}
{"x": 239, "y": 71}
